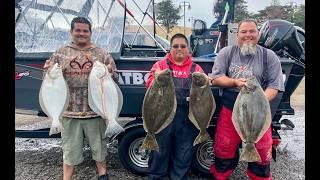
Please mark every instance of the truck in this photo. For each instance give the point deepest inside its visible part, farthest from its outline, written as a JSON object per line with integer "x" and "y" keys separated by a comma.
{"x": 42, "y": 27}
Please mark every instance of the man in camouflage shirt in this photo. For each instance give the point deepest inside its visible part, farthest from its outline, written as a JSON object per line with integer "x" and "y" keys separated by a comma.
{"x": 78, "y": 120}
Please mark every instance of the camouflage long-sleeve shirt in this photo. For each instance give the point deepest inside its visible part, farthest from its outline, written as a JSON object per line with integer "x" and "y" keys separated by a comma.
{"x": 77, "y": 65}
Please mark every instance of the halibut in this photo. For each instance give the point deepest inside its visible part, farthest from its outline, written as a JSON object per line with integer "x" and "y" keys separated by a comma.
{"x": 201, "y": 105}
{"x": 251, "y": 118}
{"x": 54, "y": 96}
{"x": 158, "y": 108}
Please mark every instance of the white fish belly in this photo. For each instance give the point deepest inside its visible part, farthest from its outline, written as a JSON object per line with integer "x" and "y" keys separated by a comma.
{"x": 120, "y": 99}
{"x": 110, "y": 98}
{"x": 53, "y": 97}
{"x": 95, "y": 94}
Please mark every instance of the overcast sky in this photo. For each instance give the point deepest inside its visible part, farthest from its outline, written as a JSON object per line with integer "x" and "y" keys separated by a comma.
{"x": 202, "y": 9}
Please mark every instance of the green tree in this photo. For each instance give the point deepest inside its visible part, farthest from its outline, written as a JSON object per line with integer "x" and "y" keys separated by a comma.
{"x": 167, "y": 15}
{"x": 218, "y": 9}
{"x": 274, "y": 11}
{"x": 241, "y": 11}
{"x": 288, "y": 13}
{"x": 294, "y": 14}
{"x": 299, "y": 16}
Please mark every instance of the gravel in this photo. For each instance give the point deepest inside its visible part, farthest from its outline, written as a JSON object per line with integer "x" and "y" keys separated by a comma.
{"x": 42, "y": 158}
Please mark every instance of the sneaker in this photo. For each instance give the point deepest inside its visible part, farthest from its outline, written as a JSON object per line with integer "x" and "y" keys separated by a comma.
{"x": 103, "y": 177}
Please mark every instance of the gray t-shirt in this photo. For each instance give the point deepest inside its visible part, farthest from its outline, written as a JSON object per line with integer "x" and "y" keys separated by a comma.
{"x": 246, "y": 66}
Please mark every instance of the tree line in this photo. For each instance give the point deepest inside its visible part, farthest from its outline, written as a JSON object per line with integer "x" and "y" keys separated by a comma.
{"x": 168, "y": 15}
{"x": 291, "y": 12}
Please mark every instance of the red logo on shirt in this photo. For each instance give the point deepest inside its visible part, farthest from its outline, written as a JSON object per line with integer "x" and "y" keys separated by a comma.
{"x": 76, "y": 65}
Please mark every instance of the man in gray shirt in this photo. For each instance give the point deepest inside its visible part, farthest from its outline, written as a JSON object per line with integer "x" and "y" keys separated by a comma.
{"x": 231, "y": 68}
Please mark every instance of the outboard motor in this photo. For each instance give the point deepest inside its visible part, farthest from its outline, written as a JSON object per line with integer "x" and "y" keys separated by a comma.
{"x": 287, "y": 41}
{"x": 282, "y": 37}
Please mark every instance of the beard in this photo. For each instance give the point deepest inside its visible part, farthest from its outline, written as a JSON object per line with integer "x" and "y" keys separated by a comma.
{"x": 248, "y": 49}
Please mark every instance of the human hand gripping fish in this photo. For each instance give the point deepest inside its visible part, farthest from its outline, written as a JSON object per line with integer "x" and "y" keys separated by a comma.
{"x": 240, "y": 82}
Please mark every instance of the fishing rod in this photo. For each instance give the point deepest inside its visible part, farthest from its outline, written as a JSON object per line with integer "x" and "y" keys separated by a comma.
{"x": 129, "y": 12}
{"x": 144, "y": 14}
{"x": 222, "y": 22}
{"x": 105, "y": 19}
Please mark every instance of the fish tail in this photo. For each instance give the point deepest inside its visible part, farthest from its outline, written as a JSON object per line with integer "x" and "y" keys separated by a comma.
{"x": 113, "y": 128}
{"x": 150, "y": 143}
{"x": 250, "y": 153}
{"x": 202, "y": 137}
{"x": 56, "y": 127}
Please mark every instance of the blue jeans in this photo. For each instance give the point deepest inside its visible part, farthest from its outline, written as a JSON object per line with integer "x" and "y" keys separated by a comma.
{"x": 175, "y": 148}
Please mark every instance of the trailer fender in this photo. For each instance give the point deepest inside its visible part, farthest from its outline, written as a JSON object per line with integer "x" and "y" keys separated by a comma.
{"x": 128, "y": 127}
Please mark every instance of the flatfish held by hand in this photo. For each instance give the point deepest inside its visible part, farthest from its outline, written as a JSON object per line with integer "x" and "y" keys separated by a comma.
{"x": 105, "y": 97}
{"x": 201, "y": 105}
{"x": 251, "y": 118}
{"x": 158, "y": 108}
{"x": 54, "y": 96}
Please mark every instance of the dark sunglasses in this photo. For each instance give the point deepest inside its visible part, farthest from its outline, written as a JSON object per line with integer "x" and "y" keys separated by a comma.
{"x": 182, "y": 46}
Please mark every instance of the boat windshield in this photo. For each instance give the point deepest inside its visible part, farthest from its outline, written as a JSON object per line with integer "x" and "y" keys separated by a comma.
{"x": 44, "y": 25}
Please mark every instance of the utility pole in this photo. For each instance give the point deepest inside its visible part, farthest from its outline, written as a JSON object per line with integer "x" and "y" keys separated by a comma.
{"x": 184, "y": 4}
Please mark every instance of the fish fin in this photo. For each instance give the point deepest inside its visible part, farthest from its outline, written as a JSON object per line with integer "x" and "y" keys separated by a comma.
{"x": 144, "y": 123}
{"x": 150, "y": 143}
{"x": 56, "y": 127}
{"x": 250, "y": 153}
{"x": 267, "y": 123}
{"x": 202, "y": 137}
{"x": 113, "y": 128}
{"x": 235, "y": 120}
{"x": 41, "y": 101}
{"x": 213, "y": 107}
{"x": 193, "y": 119}
{"x": 120, "y": 99}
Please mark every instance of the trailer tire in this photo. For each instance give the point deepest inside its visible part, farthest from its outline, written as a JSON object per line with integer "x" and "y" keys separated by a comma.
{"x": 203, "y": 158}
{"x": 130, "y": 155}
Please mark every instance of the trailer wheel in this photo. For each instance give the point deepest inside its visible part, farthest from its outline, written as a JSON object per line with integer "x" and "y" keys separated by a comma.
{"x": 203, "y": 158}
{"x": 130, "y": 155}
